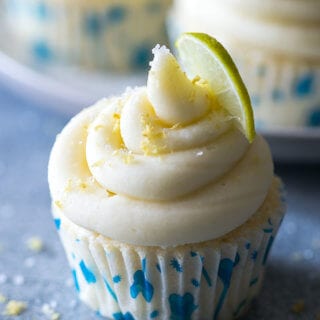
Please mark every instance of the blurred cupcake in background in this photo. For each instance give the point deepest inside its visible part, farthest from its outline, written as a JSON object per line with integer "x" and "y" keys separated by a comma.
{"x": 105, "y": 34}
{"x": 276, "y": 45}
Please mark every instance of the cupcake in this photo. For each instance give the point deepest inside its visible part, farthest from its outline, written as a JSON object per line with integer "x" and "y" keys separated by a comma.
{"x": 166, "y": 205}
{"x": 99, "y": 34}
{"x": 276, "y": 45}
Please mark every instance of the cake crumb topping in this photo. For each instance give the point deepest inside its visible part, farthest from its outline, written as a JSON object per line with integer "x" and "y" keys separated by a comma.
{"x": 298, "y": 307}
{"x": 3, "y": 298}
{"x": 48, "y": 311}
{"x": 15, "y": 308}
{"x": 35, "y": 244}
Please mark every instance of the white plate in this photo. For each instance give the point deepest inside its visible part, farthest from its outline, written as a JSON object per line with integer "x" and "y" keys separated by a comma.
{"x": 69, "y": 90}
{"x": 66, "y": 89}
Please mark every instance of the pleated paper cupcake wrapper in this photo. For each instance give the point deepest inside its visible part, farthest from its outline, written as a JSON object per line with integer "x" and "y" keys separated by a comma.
{"x": 212, "y": 280}
{"x": 108, "y": 34}
{"x": 284, "y": 92}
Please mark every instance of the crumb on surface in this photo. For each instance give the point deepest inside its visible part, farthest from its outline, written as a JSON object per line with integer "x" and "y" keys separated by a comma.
{"x": 55, "y": 316}
{"x": 3, "y": 298}
{"x": 35, "y": 244}
{"x": 48, "y": 311}
{"x": 15, "y": 308}
{"x": 298, "y": 306}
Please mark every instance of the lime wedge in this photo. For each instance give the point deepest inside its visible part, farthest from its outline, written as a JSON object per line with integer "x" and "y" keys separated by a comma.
{"x": 203, "y": 56}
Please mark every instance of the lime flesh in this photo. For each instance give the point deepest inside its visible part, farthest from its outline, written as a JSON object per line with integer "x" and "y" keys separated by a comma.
{"x": 203, "y": 56}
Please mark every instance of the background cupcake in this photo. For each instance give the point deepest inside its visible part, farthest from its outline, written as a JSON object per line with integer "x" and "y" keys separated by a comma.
{"x": 276, "y": 46}
{"x": 104, "y": 34}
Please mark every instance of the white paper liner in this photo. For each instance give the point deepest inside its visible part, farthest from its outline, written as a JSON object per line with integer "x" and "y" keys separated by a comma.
{"x": 284, "y": 92}
{"x": 212, "y": 280}
{"x": 109, "y": 34}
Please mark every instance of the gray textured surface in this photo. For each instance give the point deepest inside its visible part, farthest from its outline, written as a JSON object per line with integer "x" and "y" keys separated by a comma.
{"x": 26, "y": 136}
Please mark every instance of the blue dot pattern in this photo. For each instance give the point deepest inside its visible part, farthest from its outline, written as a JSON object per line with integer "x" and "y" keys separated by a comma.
{"x": 181, "y": 306}
{"x": 278, "y": 95}
{"x": 42, "y": 11}
{"x": 93, "y": 24}
{"x": 41, "y": 51}
{"x": 141, "y": 56}
{"x": 254, "y": 255}
{"x": 204, "y": 272}
{"x": 75, "y": 279}
{"x": 195, "y": 282}
{"x": 241, "y": 305}
{"x": 224, "y": 273}
{"x": 116, "y": 279}
{"x": 206, "y": 277}
{"x": 254, "y": 281}
{"x": 120, "y": 316}
{"x": 255, "y": 100}
{"x": 176, "y": 265}
{"x": 154, "y": 314}
{"x": 112, "y": 293}
{"x": 314, "y": 117}
{"x": 196, "y": 269}
{"x": 57, "y": 223}
{"x": 266, "y": 254}
{"x": 87, "y": 273}
{"x": 116, "y": 14}
{"x": 261, "y": 71}
{"x": 103, "y": 35}
{"x": 304, "y": 85}
{"x": 293, "y": 92}
{"x": 141, "y": 285}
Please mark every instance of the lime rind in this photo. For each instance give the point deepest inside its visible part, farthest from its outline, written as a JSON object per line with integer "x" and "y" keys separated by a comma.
{"x": 222, "y": 75}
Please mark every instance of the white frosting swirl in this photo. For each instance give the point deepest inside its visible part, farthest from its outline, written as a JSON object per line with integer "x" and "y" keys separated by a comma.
{"x": 161, "y": 165}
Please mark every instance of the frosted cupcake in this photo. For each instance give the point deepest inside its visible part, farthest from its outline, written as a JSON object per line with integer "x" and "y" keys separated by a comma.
{"x": 276, "y": 45}
{"x": 164, "y": 207}
{"x": 104, "y": 34}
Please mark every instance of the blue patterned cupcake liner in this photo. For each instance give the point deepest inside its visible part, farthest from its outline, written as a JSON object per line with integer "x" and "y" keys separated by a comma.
{"x": 108, "y": 34}
{"x": 212, "y": 280}
{"x": 284, "y": 92}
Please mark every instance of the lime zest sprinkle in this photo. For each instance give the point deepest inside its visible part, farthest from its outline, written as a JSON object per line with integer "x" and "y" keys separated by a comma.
{"x": 35, "y": 244}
